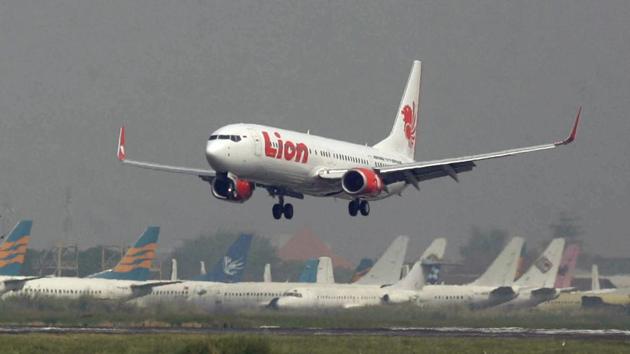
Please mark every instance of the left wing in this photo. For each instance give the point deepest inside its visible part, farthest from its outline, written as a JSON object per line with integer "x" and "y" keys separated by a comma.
{"x": 415, "y": 172}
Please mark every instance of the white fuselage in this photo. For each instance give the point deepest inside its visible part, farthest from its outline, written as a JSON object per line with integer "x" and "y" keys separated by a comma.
{"x": 278, "y": 157}
{"x": 454, "y": 295}
{"x": 342, "y": 296}
{"x": 72, "y": 288}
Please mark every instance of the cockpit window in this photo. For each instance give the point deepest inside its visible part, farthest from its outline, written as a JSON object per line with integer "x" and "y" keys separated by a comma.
{"x": 234, "y": 138}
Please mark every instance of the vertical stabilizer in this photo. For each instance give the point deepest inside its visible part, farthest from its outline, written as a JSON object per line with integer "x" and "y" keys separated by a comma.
{"x": 309, "y": 272}
{"x": 414, "y": 280}
{"x": 542, "y": 273}
{"x": 567, "y": 266}
{"x": 595, "y": 278}
{"x": 13, "y": 249}
{"x": 432, "y": 260}
{"x": 362, "y": 269}
{"x": 386, "y": 270}
{"x": 136, "y": 263}
{"x": 325, "y": 272}
{"x": 202, "y": 270}
{"x": 502, "y": 271}
{"x": 174, "y": 269}
{"x": 267, "y": 274}
{"x": 402, "y": 138}
{"x": 230, "y": 268}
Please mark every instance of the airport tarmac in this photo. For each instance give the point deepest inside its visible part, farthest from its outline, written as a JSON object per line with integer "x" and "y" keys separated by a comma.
{"x": 505, "y": 332}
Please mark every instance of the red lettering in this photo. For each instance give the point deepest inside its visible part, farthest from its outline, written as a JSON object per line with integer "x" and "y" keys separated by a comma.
{"x": 270, "y": 151}
{"x": 287, "y": 150}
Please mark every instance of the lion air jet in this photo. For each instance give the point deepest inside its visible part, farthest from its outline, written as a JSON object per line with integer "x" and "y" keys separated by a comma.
{"x": 292, "y": 164}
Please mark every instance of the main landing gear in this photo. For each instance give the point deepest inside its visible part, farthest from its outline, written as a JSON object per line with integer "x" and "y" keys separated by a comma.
{"x": 281, "y": 208}
{"x": 357, "y": 205}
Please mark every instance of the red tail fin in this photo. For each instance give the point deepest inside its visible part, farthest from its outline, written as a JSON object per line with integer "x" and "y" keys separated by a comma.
{"x": 121, "y": 144}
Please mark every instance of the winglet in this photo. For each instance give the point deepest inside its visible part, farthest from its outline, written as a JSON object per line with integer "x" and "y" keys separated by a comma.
{"x": 121, "y": 144}
{"x": 571, "y": 136}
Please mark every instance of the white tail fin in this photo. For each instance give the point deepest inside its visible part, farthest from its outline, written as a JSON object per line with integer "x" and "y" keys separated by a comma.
{"x": 435, "y": 251}
{"x": 402, "y": 139}
{"x": 542, "y": 273}
{"x": 267, "y": 273}
{"x": 202, "y": 271}
{"x": 595, "y": 278}
{"x": 414, "y": 280}
{"x": 325, "y": 274}
{"x": 502, "y": 271}
{"x": 386, "y": 270}
{"x": 174, "y": 269}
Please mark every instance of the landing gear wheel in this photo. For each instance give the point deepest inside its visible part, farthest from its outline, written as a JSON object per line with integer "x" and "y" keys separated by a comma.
{"x": 364, "y": 207}
{"x": 353, "y": 208}
{"x": 277, "y": 211}
{"x": 288, "y": 211}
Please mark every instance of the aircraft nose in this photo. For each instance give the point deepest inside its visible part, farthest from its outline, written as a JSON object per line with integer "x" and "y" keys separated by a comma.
{"x": 216, "y": 155}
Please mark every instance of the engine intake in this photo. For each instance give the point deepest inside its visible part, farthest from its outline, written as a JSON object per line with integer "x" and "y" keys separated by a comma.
{"x": 232, "y": 189}
{"x": 362, "y": 181}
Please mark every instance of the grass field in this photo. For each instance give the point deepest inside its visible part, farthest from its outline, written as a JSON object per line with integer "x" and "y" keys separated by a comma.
{"x": 184, "y": 343}
{"x": 88, "y": 312}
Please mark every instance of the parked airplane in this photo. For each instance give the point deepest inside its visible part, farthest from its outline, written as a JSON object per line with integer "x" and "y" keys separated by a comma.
{"x": 99, "y": 287}
{"x": 136, "y": 263}
{"x": 386, "y": 270}
{"x": 292, "y": 164}
{"x": 537, "y": 284}
{"x": 375, "y": 293}
{"x": 12, "y": 255}
{"x": 493, "y": 287}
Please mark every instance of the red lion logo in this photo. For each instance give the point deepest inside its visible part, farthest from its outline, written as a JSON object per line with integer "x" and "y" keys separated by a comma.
{"x": 409, "y": 119}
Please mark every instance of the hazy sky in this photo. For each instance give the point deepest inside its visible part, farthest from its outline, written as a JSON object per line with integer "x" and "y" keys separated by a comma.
{"x": 497, "y": 74}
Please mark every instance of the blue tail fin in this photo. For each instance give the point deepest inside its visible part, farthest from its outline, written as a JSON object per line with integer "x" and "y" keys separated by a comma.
{"x": 13, "y": 250}
{"x": 136, "y": 264}
{"x": 309, "y": 273}
{"x": 230, "y": 268}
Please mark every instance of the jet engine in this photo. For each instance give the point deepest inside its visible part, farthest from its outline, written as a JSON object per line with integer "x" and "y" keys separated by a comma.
{"x": 362, "y": 181}
{"x": 232, "y": 189}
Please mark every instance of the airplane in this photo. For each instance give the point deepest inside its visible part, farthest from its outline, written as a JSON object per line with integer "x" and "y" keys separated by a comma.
{"x": 493, "y": 287}
{"x": 136, "y": 263}
{"x": 371, "y": 292}
{"x": 291, "y": 164}
{"x": 387, "y": 269}
{"x": 105, "y": 287}
{"x": 537, "y": 284}
{"x": 230, "y": 267}
{"x": 12, "y": 256}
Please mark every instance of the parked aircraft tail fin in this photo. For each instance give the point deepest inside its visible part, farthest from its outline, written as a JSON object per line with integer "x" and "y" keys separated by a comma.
{"x": 542, "y": 273}
{"x": 567, "y": 266}
{"x": 13, "y": 249}
{"x": 595, "y": 278}
{"x": 325, "y": 271}
{"x": 309, "y": 272}
{"x": 502, "y": 271}
{"x": 386, "y": 270}
{"x": 230, "y": 268}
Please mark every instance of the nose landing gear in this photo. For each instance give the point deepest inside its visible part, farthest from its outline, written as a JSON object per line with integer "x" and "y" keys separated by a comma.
{"x": 279, "y": 209}
{"x": 357, "y": 205}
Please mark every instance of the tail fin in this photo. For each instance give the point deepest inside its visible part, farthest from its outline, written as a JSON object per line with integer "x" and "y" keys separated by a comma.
{"x": 595, "y": 278}
{"x": 267, "y": 274}
{"x": 567, "y": 266}
{"x": 542, "y": 273}
{"x": 13, "y": 250}
{"x": 414, "y": 280}
{"x": 386, "y": 270}
{"x": 362, "y": 269}
{"x": 402, "y": 138}
{"x": 174, "y": 269}
{"x": 502, "y": 271}
{"x": 309, "y": 273}
{"x": 136, "y": 263}
{"x": 202, "y": 269}
{"x": 231, "y": 267}
{"x": 432, "y": 260}
{"x": 325, "y": 273}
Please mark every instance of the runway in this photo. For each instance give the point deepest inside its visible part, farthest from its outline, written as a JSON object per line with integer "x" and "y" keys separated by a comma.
{"x": 505, "y": 332}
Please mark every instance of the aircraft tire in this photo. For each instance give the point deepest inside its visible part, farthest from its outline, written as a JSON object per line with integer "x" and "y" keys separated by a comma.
{"x": 288, "y": 211}
{"x": 277, "y": 211}
{"x": 353, "y": 208}
{"x": 364, "y": 207}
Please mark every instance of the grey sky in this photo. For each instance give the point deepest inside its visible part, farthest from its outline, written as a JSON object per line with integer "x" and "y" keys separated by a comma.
{"x": 497, "y": 74}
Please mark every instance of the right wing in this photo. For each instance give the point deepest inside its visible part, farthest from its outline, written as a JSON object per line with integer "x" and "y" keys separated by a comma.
{"x": 206, "y": 175}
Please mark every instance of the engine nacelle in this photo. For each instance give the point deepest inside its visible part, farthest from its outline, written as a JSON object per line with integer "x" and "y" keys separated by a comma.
{"x": 232, "y": 189}
{"x": 362, "y": 181}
